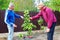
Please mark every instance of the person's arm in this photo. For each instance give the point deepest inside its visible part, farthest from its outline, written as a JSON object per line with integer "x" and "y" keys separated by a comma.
{"x": 18, "y": 16}
{"x": 6, "y": 20}
{"x": 36, "y": 16}
{"x": 50, "y": 18}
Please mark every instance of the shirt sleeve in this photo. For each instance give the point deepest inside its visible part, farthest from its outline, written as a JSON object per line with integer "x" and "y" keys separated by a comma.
{"x": 50, "y": 18}
{"x": 37, "y": 16}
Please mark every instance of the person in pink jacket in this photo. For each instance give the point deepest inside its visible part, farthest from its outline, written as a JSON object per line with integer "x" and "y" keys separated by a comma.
{"x": 49, "y": 18}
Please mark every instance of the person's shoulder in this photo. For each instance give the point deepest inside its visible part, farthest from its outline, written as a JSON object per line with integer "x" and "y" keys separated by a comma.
{"x": 7, "y": 10}
{"x": 48, "y": 9}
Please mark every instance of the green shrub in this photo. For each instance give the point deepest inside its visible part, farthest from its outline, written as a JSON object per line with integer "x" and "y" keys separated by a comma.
{"x": 40, "y": 22}
{"x": 27, "y": 25}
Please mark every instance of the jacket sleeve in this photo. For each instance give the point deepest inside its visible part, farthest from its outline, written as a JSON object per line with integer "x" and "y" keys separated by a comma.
{"x": 36, "y": 16}
{"x": 50, "y": 17}
{"x": 17, "y": 16}
{"x": 6, "y": 19}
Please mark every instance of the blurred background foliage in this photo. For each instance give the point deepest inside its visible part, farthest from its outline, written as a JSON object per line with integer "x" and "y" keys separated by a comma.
{"x": 21, "y": 5}
{"x": 4, "y": 4}
{"x": 54, "y": 4}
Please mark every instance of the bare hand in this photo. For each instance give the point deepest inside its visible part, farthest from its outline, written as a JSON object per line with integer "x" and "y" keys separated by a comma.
{"x": 30, "y": 18}
{"x": 47, "y": 30}
{"x": 22, "y": 17}
{"x": 14, "y": 25}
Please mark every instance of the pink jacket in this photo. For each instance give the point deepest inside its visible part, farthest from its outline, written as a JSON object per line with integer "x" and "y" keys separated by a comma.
{"x": 48, "y": 16}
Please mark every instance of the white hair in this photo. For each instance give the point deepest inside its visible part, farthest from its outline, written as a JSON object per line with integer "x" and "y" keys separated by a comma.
{"x": 41, "y": 3}
{"x": 11, "y": 4}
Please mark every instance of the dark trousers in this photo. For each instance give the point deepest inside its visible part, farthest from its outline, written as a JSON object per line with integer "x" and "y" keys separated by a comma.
{"x": 51, "y": 33}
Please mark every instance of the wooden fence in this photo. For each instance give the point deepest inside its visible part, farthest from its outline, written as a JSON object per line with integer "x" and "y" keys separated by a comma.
{"x": 19, "y": 22}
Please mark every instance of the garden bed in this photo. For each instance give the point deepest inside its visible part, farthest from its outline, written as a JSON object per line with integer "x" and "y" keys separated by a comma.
{"x": 37, "y": 35}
